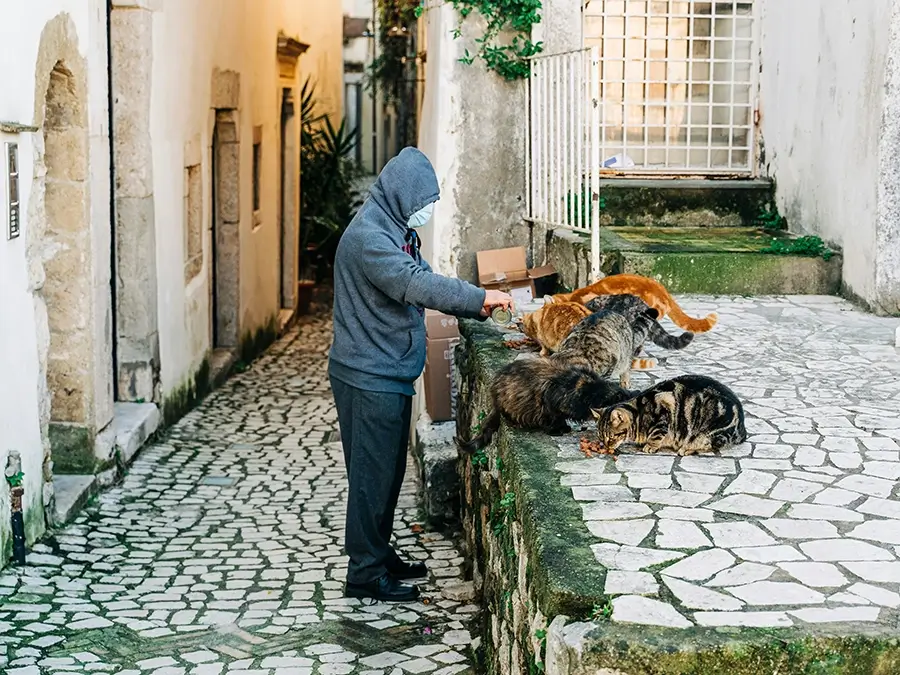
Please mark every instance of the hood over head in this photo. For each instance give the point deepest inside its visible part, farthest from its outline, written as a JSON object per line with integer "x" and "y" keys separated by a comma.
{"x": 407, "y": 184}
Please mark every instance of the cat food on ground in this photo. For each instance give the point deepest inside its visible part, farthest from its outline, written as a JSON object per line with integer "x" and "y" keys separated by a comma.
{"x": 590, "y": 448}
{"x": 519, "y": 344}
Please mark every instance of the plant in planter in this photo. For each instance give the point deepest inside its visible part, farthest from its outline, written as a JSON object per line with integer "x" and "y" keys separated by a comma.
{"x": 329, "y": 197}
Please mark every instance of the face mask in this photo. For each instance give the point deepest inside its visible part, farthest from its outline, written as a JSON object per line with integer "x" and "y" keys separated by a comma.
{"x": 421, "y": 217}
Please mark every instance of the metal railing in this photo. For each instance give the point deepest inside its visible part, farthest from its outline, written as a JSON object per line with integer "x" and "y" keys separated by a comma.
{"x": 677, "y": 84}
{"x": 564, "y": 144}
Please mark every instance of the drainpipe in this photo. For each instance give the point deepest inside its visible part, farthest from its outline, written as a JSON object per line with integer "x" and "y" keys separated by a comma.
{"x": 14, "y": 477}
{"x": 374, "y": 89}
{"x": 112, "y": 203}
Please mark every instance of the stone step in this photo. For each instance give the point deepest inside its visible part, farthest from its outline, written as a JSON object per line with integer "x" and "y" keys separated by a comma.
{"x": 134, "y": 423}
{"x": 718, "y": 261}
{"x": 680, "y": 202}
{"x": 221, "y": 361}
{"x": 71, "y": 493}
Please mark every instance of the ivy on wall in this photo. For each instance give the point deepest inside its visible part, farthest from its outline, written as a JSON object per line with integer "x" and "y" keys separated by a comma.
{"x": 506, "y": 57}
{"x": 389, "y": 69}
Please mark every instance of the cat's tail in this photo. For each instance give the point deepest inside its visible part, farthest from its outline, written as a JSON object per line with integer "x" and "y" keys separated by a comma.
{"x": 489, "y": 427}
{"x": 666, "y": 340}
{"x": 689, "y": 323}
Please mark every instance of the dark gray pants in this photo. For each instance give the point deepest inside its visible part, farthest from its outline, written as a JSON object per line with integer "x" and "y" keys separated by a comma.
{"x": 375, "y": 435}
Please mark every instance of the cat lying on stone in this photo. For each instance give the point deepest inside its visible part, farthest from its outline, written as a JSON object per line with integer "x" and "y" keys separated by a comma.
{"x": 689, "y": 414}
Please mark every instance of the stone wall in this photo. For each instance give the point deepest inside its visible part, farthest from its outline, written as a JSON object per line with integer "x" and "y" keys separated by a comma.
{"x": 529, "y": 549}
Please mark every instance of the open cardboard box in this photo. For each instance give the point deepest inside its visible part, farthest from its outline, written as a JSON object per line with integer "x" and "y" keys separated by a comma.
{"x": 505, "y": 269}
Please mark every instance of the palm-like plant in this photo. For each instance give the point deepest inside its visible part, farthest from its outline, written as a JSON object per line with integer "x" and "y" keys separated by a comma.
{"x": 329, "y": 174}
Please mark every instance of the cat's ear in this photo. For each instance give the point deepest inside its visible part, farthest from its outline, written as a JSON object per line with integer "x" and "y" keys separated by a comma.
{"x": 596, "y": 413}
{"x": 619, "y": 419}
{"x": 652, "y": 312}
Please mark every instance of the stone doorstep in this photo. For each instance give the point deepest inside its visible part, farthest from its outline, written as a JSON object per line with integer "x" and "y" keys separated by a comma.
{"x": 717, "y": 261}
{"x": 134, "y": 423}
{"x": 221, "y": 361}
{"x": 285, "y": 319}
{"x": 71, "y": 493}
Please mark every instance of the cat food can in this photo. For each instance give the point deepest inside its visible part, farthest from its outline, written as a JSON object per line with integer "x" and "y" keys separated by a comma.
{"x": 501, "y": 315}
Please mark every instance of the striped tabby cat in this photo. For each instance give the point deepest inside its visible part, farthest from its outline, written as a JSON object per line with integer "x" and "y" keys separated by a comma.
{"x": 631, "y": 307}
{"x": 688, "y": 414}
{"x": 606, "y": 342}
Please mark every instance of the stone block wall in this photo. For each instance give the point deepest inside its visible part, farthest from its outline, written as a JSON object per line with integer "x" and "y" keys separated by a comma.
{"x": 529, "y": 549}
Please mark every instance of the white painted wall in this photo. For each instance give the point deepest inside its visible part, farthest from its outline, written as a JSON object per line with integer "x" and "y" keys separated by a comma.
{"x": 822, "y": 101}
{"x": 21, "y": 390}
{"x": 191, "y": 40}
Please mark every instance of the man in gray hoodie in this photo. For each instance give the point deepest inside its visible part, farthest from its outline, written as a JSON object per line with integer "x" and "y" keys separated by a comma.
{"x": 382, "y": 286}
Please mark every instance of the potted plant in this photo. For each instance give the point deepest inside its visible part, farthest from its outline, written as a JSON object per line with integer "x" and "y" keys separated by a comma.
{"x": 328, "y": 194}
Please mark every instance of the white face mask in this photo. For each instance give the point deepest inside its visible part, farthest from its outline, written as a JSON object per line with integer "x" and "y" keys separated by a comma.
{"x": 421, "y": 217}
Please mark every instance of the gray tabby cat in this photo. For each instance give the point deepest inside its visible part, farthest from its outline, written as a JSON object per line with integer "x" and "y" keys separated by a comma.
{"x": 631, "y": 306}
{"x": 687, "y": 414}
{"x": 605, "y": 342}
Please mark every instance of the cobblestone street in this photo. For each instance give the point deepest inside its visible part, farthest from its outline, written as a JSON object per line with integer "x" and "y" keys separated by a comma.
{"x": 221, "y": 553}
{"x": 796, "y": 527}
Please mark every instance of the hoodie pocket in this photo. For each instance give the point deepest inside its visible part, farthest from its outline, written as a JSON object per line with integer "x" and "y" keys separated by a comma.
{"x": 413, "y": 360}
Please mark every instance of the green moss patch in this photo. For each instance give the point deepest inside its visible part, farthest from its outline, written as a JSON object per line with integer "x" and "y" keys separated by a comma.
{"x": 72, "y": 446}
{"x": 649, "y": 650}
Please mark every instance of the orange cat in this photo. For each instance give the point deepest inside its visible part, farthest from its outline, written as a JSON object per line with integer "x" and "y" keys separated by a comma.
{"x": 550, "y": 325}
{"x": 649, "y": 290}
{"x": 553, "y": 322}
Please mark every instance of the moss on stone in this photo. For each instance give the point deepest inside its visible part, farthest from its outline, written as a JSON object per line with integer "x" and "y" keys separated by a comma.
{"x": 727, "y": 261}
{"x": 73, "y": 448}
{"x": 185, "y": 397}
{"x": 680, "y": 203}
{"x": 733, "y": 273}
{"x": 540, "y": 559}
{"x": 647, "y": 650}
{"x": 256, "y": 342}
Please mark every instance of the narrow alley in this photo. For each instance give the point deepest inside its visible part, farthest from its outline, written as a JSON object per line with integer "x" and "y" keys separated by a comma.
{"x": 221, "y": 552}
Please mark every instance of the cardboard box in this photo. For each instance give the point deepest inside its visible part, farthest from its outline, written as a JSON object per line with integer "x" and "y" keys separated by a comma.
{"x": 439, "y": 325}
{"x": 440, "y": 380}
{"x": 505, "y": 269}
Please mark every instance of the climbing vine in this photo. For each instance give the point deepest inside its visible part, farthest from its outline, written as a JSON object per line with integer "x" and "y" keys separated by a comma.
{"x": 396, "y": 21}
{"x": 506, "y": 57}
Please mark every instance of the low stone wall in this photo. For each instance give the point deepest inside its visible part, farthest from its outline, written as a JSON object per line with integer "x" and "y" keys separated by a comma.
{"x": 543, "y": 588}
{"x": 523, "y": 533}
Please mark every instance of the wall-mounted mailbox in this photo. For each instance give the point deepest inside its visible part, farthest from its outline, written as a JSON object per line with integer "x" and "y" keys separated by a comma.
{"x": 13, "y": 216}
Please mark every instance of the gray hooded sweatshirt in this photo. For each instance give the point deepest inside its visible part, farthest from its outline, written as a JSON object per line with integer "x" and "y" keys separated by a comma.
{"x": 382, "y": 285}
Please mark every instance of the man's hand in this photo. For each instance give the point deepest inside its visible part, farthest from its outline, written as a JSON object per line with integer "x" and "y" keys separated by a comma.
{"x": 494, "y": 299}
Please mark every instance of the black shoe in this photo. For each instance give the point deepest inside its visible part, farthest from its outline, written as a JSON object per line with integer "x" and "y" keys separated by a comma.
{"x": 399, "y": 569}
{"x": 386, "y": 589}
